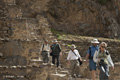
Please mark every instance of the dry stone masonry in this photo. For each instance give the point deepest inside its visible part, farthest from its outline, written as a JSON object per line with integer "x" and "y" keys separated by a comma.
{"x": 24, "y": 24}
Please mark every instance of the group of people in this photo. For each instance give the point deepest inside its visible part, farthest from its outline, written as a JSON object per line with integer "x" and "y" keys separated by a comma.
{"x": 53, "y": 50}
{"x": 97, "y": 55}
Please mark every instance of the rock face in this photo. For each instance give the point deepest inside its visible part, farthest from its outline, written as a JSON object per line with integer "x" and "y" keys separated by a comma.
{"x": 86, "y": 17}
{"x": 24, "y": 24}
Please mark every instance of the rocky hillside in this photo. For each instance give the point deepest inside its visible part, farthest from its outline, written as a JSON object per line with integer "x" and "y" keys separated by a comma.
{"x": 98, "y": 18}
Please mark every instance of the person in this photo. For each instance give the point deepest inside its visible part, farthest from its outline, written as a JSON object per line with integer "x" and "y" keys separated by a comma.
{"x": 72, "y": 58}
{"x": 56, "y": 50}
{"x": 90, "y": 54}
{"x": 103, "y": 59}
{"x": 45, "y": 51}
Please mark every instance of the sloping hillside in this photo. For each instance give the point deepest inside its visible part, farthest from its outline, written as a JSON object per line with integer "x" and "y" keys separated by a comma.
{"x": 98, "y": 18}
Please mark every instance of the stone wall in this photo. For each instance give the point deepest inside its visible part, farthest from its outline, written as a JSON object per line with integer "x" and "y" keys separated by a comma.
{"x": 22, "y": 28}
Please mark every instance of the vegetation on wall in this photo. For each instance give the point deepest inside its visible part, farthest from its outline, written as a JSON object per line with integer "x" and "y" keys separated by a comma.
{"x": 64, "y": 36}
{"x": 103, "y": 2}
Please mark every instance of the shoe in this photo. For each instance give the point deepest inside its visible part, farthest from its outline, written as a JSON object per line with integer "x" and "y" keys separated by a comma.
{"x": 74, "y": 75}
{"x": 59, "y": 67}
{"x": 51, "y": 64}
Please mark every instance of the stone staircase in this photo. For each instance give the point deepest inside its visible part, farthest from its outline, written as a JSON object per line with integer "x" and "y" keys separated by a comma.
{"x": 28, "y": 32}
{"x": 27, "y": 35}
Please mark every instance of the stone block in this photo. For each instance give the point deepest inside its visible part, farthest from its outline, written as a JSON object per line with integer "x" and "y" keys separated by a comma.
{"x": 1, "y": 32}
{"x": 5, "y": 28}
{"x": 5, "y": 32}
{"x": 14, "y": 12}
{"x": 12, "y": 47}
{"x": 1, "y": 54}
{"x": 14, "y": 61}
{"x": 34, "y": 50}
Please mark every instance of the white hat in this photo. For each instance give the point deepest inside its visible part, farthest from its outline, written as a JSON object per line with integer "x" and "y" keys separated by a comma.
{"x": 94, "y": 41}
{"x": 73, "y": 46}
{"x": 55, "y": 40}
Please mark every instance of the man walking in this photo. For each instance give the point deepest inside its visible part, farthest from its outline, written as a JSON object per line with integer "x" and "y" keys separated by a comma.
{"x": 45, "y": 51}
{"x": 73, "y": 59}
{"x": 56, "y": 49}
{"x": 90, "y": 54}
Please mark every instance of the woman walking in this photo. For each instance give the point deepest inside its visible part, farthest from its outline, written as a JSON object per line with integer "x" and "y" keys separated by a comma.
{"x": 104, "y": 61}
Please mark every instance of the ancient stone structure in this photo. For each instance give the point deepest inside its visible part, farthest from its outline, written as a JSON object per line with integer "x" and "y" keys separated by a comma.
{"x": 24, "y": 24}
{"x": 20, "y": 32}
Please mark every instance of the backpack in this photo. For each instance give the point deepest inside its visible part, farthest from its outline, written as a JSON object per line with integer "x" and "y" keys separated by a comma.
{"x": 56, "y": 49}
{"x": 90, "y": 57}
{"x": 42, "y": 47}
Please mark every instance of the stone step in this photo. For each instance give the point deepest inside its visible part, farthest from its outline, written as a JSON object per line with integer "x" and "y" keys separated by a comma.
{"x": 13, "y": 67}
{"x": 13, "y": 76}
{"x": 64, "y": 72}
{"x": 34, "y": 50}
{"x": 36, "y": 59}
{"x": 59, "y": 75}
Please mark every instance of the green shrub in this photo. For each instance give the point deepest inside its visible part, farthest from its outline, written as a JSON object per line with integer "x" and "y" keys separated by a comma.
{"x": 102, "y": 2}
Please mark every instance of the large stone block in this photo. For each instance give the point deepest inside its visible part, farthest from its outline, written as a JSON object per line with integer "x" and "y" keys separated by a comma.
{"x": 5, "y": 28}
{"x": 11, "y": 48}
{"x": 14, "y": 12}
{"x": 14, "y": 61}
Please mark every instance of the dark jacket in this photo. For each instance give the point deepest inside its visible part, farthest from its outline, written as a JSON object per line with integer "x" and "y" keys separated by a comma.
{"x": 56, "y": 49}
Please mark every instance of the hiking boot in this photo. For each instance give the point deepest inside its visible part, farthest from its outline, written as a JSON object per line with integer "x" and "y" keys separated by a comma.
{"x": 74, "y": 75}
{"x": 51, "y": 64}
{"x": 59, "y": 67}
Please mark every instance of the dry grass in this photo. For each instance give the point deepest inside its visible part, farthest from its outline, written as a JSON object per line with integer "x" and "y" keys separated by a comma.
{"x": 70, "y": 37}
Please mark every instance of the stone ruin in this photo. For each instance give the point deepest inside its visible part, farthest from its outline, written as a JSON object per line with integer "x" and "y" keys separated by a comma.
{"x": 22, "y": 32}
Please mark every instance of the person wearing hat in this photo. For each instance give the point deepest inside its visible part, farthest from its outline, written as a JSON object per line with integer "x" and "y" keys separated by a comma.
{"x": 90, "y": 53}
{"x": 55, "y": 49}
{"x": 45, "y": 51}
{"x": 104, "y": 61}
{"x": 72, "y": 58}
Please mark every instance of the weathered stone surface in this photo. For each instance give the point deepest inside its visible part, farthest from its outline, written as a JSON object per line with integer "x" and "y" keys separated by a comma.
{"x": 14, "y": 60}
{"x": 114, "y": 74}
{"x": 9, "y": 1}
{"x": 11, "y": 48}
{"x": 14, "y": 12}
{"x": 85, "y": 17}
{"x": 1, "y": 54}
